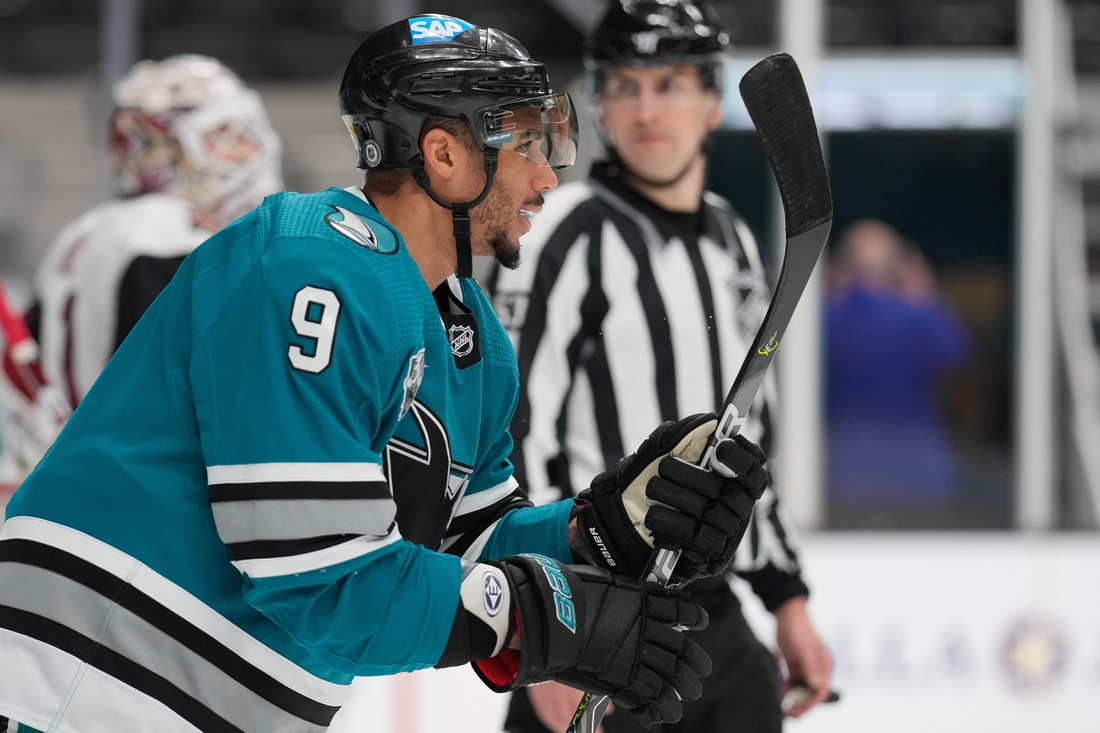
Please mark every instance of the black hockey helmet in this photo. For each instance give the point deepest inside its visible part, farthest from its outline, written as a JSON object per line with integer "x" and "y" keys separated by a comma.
{"x": 437, "y": 65}
{"x": 656, "y": 33}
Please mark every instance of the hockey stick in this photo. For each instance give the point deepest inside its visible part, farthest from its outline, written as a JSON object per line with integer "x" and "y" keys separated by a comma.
{"x": 776, "y": 99}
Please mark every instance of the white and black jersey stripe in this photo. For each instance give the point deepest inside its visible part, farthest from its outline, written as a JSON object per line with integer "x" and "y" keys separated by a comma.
{"x": 281, "y": 518}
{"x": 476, "y": 517}
{"x": 626, "y": 315}
{"x": 137, "y": 644}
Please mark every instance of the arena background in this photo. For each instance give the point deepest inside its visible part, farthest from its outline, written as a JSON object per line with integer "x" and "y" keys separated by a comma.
{"x": 972, "y": 126}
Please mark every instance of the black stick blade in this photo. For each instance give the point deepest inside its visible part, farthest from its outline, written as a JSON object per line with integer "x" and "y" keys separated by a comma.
{"x": 776, "y": 98}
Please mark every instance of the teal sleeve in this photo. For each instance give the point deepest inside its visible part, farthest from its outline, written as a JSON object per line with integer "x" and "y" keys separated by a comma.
{"x": 532, "y": 529}
{"x": 387, "y": 612}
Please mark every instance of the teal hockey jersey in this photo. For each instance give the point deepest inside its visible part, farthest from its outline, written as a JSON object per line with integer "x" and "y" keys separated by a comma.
{"x": 268, "y": 490}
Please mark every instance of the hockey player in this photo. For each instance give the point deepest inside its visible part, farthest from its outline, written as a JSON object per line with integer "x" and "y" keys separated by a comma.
{"x": 295, "y": 469}
{"x": 637, "y": 302}
{"x": 192, "y": 149}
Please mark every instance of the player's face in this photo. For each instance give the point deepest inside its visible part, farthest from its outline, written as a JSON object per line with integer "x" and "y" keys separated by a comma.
{"x": 504, "y": 216}
{"x": 658, "y": 117}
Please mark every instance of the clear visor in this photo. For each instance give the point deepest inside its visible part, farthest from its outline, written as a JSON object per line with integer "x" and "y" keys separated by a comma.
{"x": 543, "y": 130}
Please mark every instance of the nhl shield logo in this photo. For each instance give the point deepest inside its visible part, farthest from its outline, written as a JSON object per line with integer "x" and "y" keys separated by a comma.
{"x": 462, "y": 340}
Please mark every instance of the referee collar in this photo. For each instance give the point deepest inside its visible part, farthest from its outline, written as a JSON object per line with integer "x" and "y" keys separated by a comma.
{"x": 687, "y": 225}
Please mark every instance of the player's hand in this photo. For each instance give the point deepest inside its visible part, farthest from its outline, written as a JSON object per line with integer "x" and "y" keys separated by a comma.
{"x": 808, "y": 661}
{"x": 610, "y": 636}
{"x": 555, "y": 705}
{"x": 658, "y": 497}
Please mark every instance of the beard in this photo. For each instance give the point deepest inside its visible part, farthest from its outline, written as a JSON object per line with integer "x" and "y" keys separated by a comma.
{"x": 505, "y": 252}
{"x": 496, "y": 214}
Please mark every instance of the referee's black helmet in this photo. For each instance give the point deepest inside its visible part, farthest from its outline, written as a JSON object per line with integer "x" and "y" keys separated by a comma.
{"x": 657, "y": 33}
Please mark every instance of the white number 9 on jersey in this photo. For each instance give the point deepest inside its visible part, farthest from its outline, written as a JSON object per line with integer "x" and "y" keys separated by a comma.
{"x": 314, "y": 317}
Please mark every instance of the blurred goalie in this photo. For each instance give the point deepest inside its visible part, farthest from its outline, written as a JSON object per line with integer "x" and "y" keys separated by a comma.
{"x": 192, "y": 149}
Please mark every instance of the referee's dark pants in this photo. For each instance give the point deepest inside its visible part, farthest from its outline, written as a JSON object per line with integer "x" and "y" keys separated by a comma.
{"x": 741, "y": 695}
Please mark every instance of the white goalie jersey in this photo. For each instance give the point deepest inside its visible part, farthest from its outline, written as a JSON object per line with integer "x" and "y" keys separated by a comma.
{"x": 100, "y": 272}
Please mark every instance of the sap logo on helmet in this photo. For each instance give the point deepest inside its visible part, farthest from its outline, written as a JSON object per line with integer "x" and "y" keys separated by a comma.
{"x": 355, "y": 228}
{"x": 434, "y": 30}
{"x": 494, "y": 594}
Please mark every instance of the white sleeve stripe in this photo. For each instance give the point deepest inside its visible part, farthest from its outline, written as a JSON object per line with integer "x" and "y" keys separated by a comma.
{"x": 473, "y": 552}
{"x": 486, "y": 498}
{"x": 249, "y": 473}
{"x": 276, "y": 566}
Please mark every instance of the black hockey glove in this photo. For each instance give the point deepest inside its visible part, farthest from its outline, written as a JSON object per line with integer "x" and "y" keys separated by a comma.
{"x": 611, "y": 636}
{"x": 658, "y": 497}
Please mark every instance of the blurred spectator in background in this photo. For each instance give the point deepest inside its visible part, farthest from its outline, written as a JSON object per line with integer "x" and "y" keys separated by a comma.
{"x": 192, "y": 149}
{"x": 889, "y": 339}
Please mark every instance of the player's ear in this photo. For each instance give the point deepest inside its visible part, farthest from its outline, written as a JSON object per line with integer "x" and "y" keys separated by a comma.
{"x": 444, "y": 154}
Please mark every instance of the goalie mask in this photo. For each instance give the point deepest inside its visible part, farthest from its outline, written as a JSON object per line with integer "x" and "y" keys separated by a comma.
{"x": 188, "y": 126}
{"x": 440, "y": 66}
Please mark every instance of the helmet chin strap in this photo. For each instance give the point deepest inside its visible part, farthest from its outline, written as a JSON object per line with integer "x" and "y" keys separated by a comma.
{"x": 460, "y": 212}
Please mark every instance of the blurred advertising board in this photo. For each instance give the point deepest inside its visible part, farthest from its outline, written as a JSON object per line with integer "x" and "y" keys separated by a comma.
{"x": 943, "y": 632}
{"x": 977, "y": 92}
{"x": 956, "y": 632}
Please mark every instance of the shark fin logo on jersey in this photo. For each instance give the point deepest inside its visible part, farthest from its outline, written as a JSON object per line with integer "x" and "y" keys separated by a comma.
{"x": 436, "y": 30}
{"x": 413, "y": 378}
{"x": 355, "y": 228}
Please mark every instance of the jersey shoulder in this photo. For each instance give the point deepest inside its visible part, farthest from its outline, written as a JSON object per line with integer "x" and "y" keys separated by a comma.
{"x": 338, "y": 230}
{"x": 335, "y": 240}
{"x": 335, "y": 215}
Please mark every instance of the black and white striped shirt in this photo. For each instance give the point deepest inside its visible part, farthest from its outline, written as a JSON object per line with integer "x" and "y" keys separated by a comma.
{"x": 625, "y": 315}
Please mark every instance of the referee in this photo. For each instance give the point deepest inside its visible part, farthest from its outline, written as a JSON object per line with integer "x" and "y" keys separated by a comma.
{"x": 639, "y": 299}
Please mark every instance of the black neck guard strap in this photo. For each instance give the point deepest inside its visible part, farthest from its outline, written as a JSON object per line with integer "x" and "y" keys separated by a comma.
{"x": 460, "y": 212}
